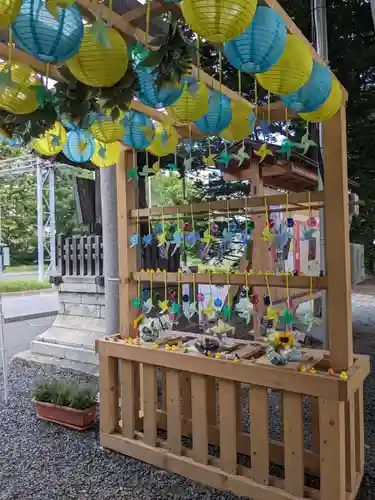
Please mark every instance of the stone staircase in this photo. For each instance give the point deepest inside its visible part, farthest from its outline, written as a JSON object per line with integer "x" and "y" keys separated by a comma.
{"x": 80, "y": 321}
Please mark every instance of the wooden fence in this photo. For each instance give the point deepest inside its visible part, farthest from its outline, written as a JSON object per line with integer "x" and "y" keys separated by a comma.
{"x": 80, "y": 255}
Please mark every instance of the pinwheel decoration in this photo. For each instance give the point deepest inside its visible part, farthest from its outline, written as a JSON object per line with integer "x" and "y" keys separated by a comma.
{"x": 263, "y": 151}
{"x": 176, "y": 241}
{"x": 305, "y": 143}
{"x": 241, "y": 155}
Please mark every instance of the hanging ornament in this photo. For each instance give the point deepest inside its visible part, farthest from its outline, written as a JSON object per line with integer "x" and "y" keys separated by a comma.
{"x": 152, "y": 95}
{"x": 99, "y": 66}
{"x": 286, "y": 76}
{"x": 134, "y": 238}
{"x": 52, "y": 141}
{"x": 329, "y": 108}
{"x": 18, "y": 83}
{"x": 305, "y": 143}
{"x": 260, "y": 46}
{"x": 192, "y": 104}
{"x": 106, "y": 130}
{"x": 219, "y": 113}
{"x": 139, "y": 130}
{"x": 79, "y": 146}
{"x": 164, "y": 304}
{"x": 314, "y": 93}
{"x": 47, "y": 37}
{"x": 105, "y": 155}
{"x": 137, "y": 301}
{"x": 165, "y": 140}
{"x": 287, "y": 147}
{"x": 177, "y": 235}
{"x": 263, "y": 151}
{"x": 148, "y": 304}
{"x": 241, "y": 155}
{"x": 287, "y": 316}
{"x": 217, "y": 21}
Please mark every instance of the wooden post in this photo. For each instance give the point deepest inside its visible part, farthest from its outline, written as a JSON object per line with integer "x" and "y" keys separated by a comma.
{"x": 337, "y": 242}
{"x": 126, "y": 200}
{"x": 108, "y": 378}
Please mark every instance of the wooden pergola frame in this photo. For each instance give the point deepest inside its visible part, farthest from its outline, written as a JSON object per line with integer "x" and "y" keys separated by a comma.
{"x": 194, "y": 387}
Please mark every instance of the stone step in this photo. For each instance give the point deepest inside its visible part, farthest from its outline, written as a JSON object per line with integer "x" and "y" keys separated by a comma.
{"x": 73, "y": 338}
{"x": 62, "y": 364}
{"x": 80, "y": 322}
{"x": 61, "y": 351}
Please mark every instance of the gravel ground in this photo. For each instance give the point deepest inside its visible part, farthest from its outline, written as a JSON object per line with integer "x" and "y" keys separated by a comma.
{"x": 40, "y": 461}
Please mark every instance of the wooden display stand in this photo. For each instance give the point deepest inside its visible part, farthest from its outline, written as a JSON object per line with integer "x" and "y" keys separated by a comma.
{"x": 199, "y": 396}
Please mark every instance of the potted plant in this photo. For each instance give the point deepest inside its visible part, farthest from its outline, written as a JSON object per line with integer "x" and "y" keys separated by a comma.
{"x": 66, "y": 403}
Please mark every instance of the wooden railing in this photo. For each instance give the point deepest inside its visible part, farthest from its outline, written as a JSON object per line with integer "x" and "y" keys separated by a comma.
{"x": 208, "y": 420}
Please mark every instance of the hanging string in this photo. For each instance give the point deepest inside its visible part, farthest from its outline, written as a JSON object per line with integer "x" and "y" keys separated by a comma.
{"x": 179, "y": 286}
{"x": 228, "y": 217}
{"x": 269, "y": 107}
{"x": 138, "y": 287}
{"x": 10, "y": 47}
{"x": 256, "y": 98}
{"x": 165, "y": 285}
{"x": 287, "y": 206}
{"x": 239, "y": 83}
{"x": 194, "y": 289}
{"x": 311, "y": 294}
{"x": 209, "y": 218}
{"x": 220, "y": 71}
{"x": 190, "y": 140}
{"x": 287, "y": 290}
{"x": 247, "y": 284}
{"x": 192, "y": 218}
{"x": 268, "y": 289}
{"x": 110, "y": 7}
{"x": 286, "y": 123}
{"x": 151, "y": 283}
{"x": 228, "y": 283}
{"x": 309, "y": 204}
{"x": 266, "y": 210}
{"x": 178, "y": 219}
{"x": 149, "y": 220}
{"x": 210, "y": 281}
{"x": 198, "y": 57}
{"x": 148, "y": 14}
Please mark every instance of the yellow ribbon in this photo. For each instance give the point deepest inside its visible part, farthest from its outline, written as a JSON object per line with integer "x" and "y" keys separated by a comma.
{"x": 179, "y": 286}
{"x": 256, "y": 98}
{"x": 309, "y": 204}
{"x": 311, "y": 293}
{"x": 194, "y": 289}
{"x": 287, "y": 290}
{"x": 268, "y": 289}
{"x": 269, "y": 107}
{"x": 239, "y": 83}
{"x": 165, "y": 285}
{"x": 247, "y": 284}
{"x": 198, "y": 57}
{"x": 228, "y": 283}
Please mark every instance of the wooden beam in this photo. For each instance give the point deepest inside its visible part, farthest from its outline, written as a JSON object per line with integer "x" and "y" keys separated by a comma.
{"x": 139, "y": 13}
{"x": 294, "y": 282}
{"x": 293, "y": 28}
{"x": 316, "y": 197}
{"x": 340, "y": 334}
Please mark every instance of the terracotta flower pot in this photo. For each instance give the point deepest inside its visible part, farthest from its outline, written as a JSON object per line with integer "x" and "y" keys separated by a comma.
{"x": 79, "y": 420}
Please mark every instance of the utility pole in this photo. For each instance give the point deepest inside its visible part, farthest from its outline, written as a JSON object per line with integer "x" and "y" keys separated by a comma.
{"x": 40, "y": 221}
{"x": 319, "y": 23}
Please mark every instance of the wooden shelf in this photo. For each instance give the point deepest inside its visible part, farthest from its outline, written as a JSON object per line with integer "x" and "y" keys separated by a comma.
{"x": 316, "y": 198}
{"x": 294, "y": 282}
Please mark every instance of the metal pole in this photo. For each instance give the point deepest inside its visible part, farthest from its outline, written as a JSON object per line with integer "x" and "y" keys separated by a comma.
{"x": 52, "y": 220}
{"x": 319, "y": 9}
{"x": 40, "y": 224}
{"x": 108, "y": 197}
{"x": 3, "y": 352}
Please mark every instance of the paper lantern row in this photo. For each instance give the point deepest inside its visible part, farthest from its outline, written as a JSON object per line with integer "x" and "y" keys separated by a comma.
{"x": 283, "y": 65}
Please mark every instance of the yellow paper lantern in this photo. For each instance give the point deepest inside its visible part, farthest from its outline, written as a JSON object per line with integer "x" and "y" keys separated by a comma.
{"x": 105, "y": 155}
{"x": 165, "y": 140}
{"x": 291, "y": 71}
{"x": 99, "y": 66}
{"x": 327, "y": 109}
{"x": 106, "y": 130}
{"x": 9, "y": 10}
{"x": 192, "y": 104}
{"x": 52, "y": 141}
{"x": 239, "y": 127}
{"x": 19, "y": 98}
{"x": 218, "y": 20}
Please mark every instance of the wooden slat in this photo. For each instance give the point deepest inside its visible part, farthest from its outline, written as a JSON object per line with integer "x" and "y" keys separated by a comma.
{"x": 199, "y": 418}
{"x": 82, "y": 255}
{"x": 75, "y": 255}
{"x": 127, "y": 194}
{"x": 108, "y": 393}
{"x": 163, "y": 387}
{"x": 90, "y": 267}
{"x": 315, "y": 438}
{"x": 128, "y": 414}
{"x": 332, "y": 449}
{"x": 234, "y": 204}
{"x": 350, "y": 450}
{"x": 211, "y": 401}
{"x": 293, "y": 443}
{"x": 173, "y": 411}
{"x": 185, "y": 395}
{"x": 258, "y": 406}
{"x": 340, "y": 334}
{"x": 97, "y": 256}
{"x": 228, "y": 426}
{"x": 149, "y": 404}
{"x": 359, "y": 431}
{"x": 302, "y": 282}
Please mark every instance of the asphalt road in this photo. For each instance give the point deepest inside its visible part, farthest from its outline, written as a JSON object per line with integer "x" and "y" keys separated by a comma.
{"x": 17, "y": 276}
{"x": 39, "y": 303}
{"x": 17, "y": 336}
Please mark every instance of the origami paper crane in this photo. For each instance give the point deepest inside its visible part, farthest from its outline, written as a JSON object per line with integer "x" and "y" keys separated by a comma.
{"x": 177, "y": 240}
{"x": 287, "y": 317}
{"x": 191, "y": 310}
{"x": 305, "y": 143}
{"x": 132, "y": 173}
{"x": 241, "y": 155}
{"x": 245, "y": 309}
{"x": 192, "y": 238}
{"x": 163, "y": 304}
{"x": 309, "y": 320}
{"x": 267, "y": 236}
{"x": 209, "y": 310}
{"x": 147, "y": 239}
{"x": 134, "y": 240}
{"x": 147, "y": 306}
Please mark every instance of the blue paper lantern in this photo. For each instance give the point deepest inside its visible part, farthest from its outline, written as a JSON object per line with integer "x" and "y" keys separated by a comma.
{"x": 79, "y": 146}
{"x": 150, "y": 95}
{"x": 139, "y": 130}
{"x": 260, "y": 46}
{"x": 38, "y": 33}
{"x": 313, "y": 94}
{"x": 219, "y": 114}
